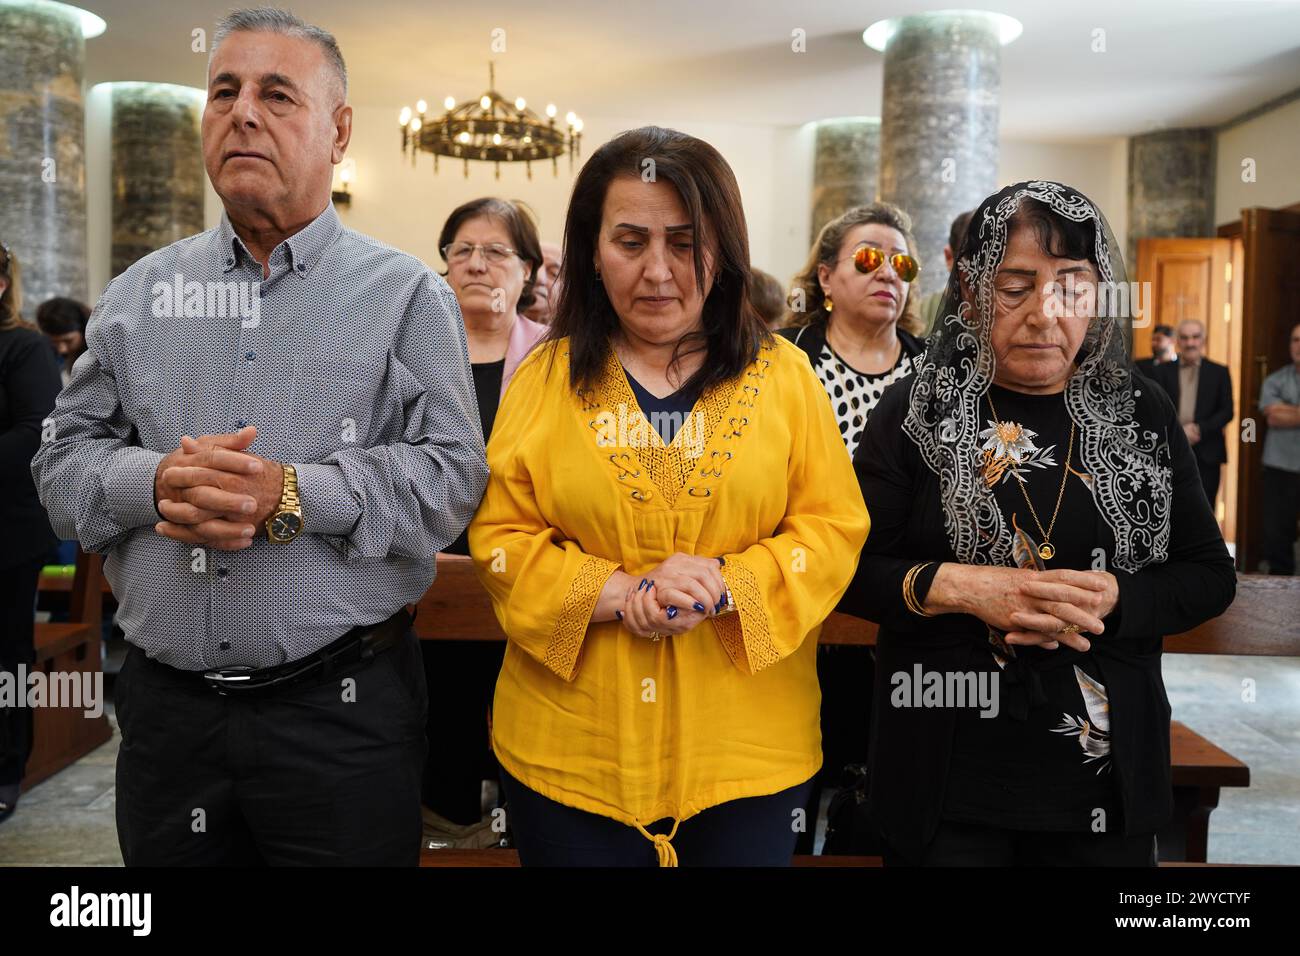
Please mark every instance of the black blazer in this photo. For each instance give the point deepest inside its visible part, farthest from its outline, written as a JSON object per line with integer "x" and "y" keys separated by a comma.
{"x": 1213, "y": 405}
{"x": 29, "y": 384}
{"x": 911, "y": 747}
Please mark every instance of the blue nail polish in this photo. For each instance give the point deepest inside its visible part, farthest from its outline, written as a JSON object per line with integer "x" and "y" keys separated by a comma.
{"x": 722, "y": 562}
{"x": 619, "y": 615}
{"x": 652, "y": 584}
{"x": 671, "y": 612}
{"x": 698, "y": 606}
{"x": 641, "y": 586}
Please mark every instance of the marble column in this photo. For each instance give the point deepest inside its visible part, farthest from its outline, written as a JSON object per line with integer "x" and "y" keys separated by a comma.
{"x": 1170, "y": 186}
{"x": 42, "y": 147}
{"x": 846, "y": 167}
{"x": 939, "y": 124}
{"x": 158, "y": 171}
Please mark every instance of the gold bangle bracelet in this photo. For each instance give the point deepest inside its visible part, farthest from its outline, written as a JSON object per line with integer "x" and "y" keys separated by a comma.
{"x": 909, "y": 592}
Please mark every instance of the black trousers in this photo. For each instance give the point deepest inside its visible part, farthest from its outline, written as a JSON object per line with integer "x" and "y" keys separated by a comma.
{"x": 973, "y": 844}
{"x": 319, "y": 774}
{"x": 1210, "y": 480}
{"x": 752, "y": 831}
{"x": 17, "y": 629}
{"x": 1281, "y": 511}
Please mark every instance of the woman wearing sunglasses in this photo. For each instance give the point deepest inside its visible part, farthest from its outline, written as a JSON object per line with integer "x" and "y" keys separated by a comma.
{"x": 855, "y": 292}
{"x": 852, "y": 312}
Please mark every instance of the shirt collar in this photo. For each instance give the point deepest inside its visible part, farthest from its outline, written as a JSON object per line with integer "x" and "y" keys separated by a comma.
{"x": 303, "y": 249}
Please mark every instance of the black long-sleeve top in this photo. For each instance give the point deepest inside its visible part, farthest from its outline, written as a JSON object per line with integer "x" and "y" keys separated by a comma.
{"x": 29, "y": 384}
{"x": 912, "y": 748}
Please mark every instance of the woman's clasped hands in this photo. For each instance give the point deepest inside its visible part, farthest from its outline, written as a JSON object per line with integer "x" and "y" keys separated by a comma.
{"x": 674, "y": 596}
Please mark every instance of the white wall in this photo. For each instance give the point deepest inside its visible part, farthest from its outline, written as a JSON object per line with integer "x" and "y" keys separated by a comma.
{"x": 1273, "y": 141}
{"x": 1098, "y": 169}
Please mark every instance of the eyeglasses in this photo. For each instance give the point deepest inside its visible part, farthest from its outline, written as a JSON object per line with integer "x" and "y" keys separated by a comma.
{"x": 867, "y": 259}
{"x": 493, "y": 252}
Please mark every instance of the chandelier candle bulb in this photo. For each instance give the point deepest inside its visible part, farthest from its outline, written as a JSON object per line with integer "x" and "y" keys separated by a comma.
{"x": 449, "y": 103}
{"x": 421, "y": 107}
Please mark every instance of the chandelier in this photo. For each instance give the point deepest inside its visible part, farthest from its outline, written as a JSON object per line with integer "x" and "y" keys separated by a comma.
{"x": 491, "y": 129}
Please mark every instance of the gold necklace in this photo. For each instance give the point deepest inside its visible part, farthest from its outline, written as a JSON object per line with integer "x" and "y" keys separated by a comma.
{"x": 1045, "y": 550}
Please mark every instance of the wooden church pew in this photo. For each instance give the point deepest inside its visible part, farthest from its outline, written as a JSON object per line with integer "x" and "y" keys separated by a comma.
{"x": 62, "y": 735}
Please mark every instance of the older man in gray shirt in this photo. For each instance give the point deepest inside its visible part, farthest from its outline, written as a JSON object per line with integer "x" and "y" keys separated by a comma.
{"x": 1279, "y": 401}
{"x": 272, "y": 433}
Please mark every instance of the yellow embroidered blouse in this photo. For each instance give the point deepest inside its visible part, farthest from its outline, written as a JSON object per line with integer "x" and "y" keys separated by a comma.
{"x": 596, "y": 718}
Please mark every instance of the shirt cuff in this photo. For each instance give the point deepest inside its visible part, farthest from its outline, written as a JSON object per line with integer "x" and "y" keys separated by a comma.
{"x": 327, "y": 503}
{"x": 128, "y": 484}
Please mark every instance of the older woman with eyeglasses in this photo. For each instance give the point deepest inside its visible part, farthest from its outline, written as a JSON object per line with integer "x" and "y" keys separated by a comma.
{"x": 493, "y": 258}
{"x": 493, "y": 255}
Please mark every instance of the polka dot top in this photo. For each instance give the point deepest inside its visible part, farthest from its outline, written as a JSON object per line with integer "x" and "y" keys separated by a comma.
{"x": 854, "y": 394}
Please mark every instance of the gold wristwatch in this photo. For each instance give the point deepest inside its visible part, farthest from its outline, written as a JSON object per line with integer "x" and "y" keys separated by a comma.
{"x": 285, "y": 522}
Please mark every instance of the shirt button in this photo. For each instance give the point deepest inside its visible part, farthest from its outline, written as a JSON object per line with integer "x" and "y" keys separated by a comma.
{"x": 302, "y": 267}
{"x": 223, "y": 572}
{"x": 225, "y": 645}
{"x": 230, "y": 260}
{"x": 261, "y": 290}
{"x": 241, "y": 423}
{"x": 250, "y": 355}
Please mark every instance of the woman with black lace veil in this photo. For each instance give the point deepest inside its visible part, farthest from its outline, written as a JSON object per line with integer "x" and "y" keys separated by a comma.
{"x": 1037, "y": 527}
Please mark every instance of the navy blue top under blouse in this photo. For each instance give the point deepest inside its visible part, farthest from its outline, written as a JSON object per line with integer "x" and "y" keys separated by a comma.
{"x": 667, "y": 414}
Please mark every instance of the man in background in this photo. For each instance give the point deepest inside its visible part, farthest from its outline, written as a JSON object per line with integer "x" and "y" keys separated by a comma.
{"x": 64, "y": 323}
{"x": 929, "y": 305}
{"x": 546, "y": 286}
{"x": 1279, "y": 402}
{"x": 1162, "y": 350}
{"x": 1202, "y": 392}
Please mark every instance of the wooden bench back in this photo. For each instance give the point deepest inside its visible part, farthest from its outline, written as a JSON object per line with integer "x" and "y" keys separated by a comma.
{"x": 1264, "y": 619}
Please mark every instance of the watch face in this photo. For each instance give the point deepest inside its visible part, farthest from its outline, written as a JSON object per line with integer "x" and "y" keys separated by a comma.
{"x": 285, "y": 525}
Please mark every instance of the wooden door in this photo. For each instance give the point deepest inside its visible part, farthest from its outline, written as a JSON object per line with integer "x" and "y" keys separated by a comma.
{"x": 1194, "y": 279}
{"x": 1270, "y": 289}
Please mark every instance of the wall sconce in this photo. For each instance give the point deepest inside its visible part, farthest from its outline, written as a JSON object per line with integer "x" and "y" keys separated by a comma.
{"x": 347, "y": 172}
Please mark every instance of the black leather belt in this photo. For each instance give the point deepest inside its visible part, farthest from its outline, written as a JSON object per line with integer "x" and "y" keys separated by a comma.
{"x": 357, "y": 645}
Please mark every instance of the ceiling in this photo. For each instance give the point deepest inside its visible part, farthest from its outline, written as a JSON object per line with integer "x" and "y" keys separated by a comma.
{"x": 1168, "y": 63}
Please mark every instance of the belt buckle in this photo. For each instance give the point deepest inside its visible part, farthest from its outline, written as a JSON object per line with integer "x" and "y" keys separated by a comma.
{"x": 221, "y": 678}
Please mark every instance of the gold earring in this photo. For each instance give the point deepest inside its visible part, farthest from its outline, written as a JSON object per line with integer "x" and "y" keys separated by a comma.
{"x": 827, "y": 304}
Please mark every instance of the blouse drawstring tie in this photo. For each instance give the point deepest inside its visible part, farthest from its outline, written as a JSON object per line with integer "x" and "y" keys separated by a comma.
{"x": 663, "y": 846}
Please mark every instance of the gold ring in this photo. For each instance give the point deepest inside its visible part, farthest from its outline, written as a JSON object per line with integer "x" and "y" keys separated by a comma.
{"x": 655, "y": 636}
{"x": 1069, "y": 629}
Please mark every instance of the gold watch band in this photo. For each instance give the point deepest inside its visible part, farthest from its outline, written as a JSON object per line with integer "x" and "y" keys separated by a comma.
{"x": 289, "y": 496}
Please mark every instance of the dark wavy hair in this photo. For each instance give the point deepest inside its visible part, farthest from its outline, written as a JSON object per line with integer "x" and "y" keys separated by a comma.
{"x": 515, "y": 216}
{"x": 61, "y": 315}
{"x": 733, "y": 331}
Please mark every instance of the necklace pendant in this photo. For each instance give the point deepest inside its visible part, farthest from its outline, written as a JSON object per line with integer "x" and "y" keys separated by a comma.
{"x": 1046, "y": 551}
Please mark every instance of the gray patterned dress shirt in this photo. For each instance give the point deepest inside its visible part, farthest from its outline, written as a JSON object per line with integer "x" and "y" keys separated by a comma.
{"x": 352, "y": 362}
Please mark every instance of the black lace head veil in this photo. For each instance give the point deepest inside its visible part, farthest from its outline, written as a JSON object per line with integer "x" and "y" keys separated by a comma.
{"x": 1127, "y": 463}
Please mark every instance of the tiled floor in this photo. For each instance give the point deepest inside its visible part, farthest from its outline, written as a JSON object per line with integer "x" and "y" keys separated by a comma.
{"x": 69, "y": 818}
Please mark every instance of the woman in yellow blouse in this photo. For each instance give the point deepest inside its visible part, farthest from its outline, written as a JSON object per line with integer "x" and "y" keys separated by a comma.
{"x": 670, "y": 517}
